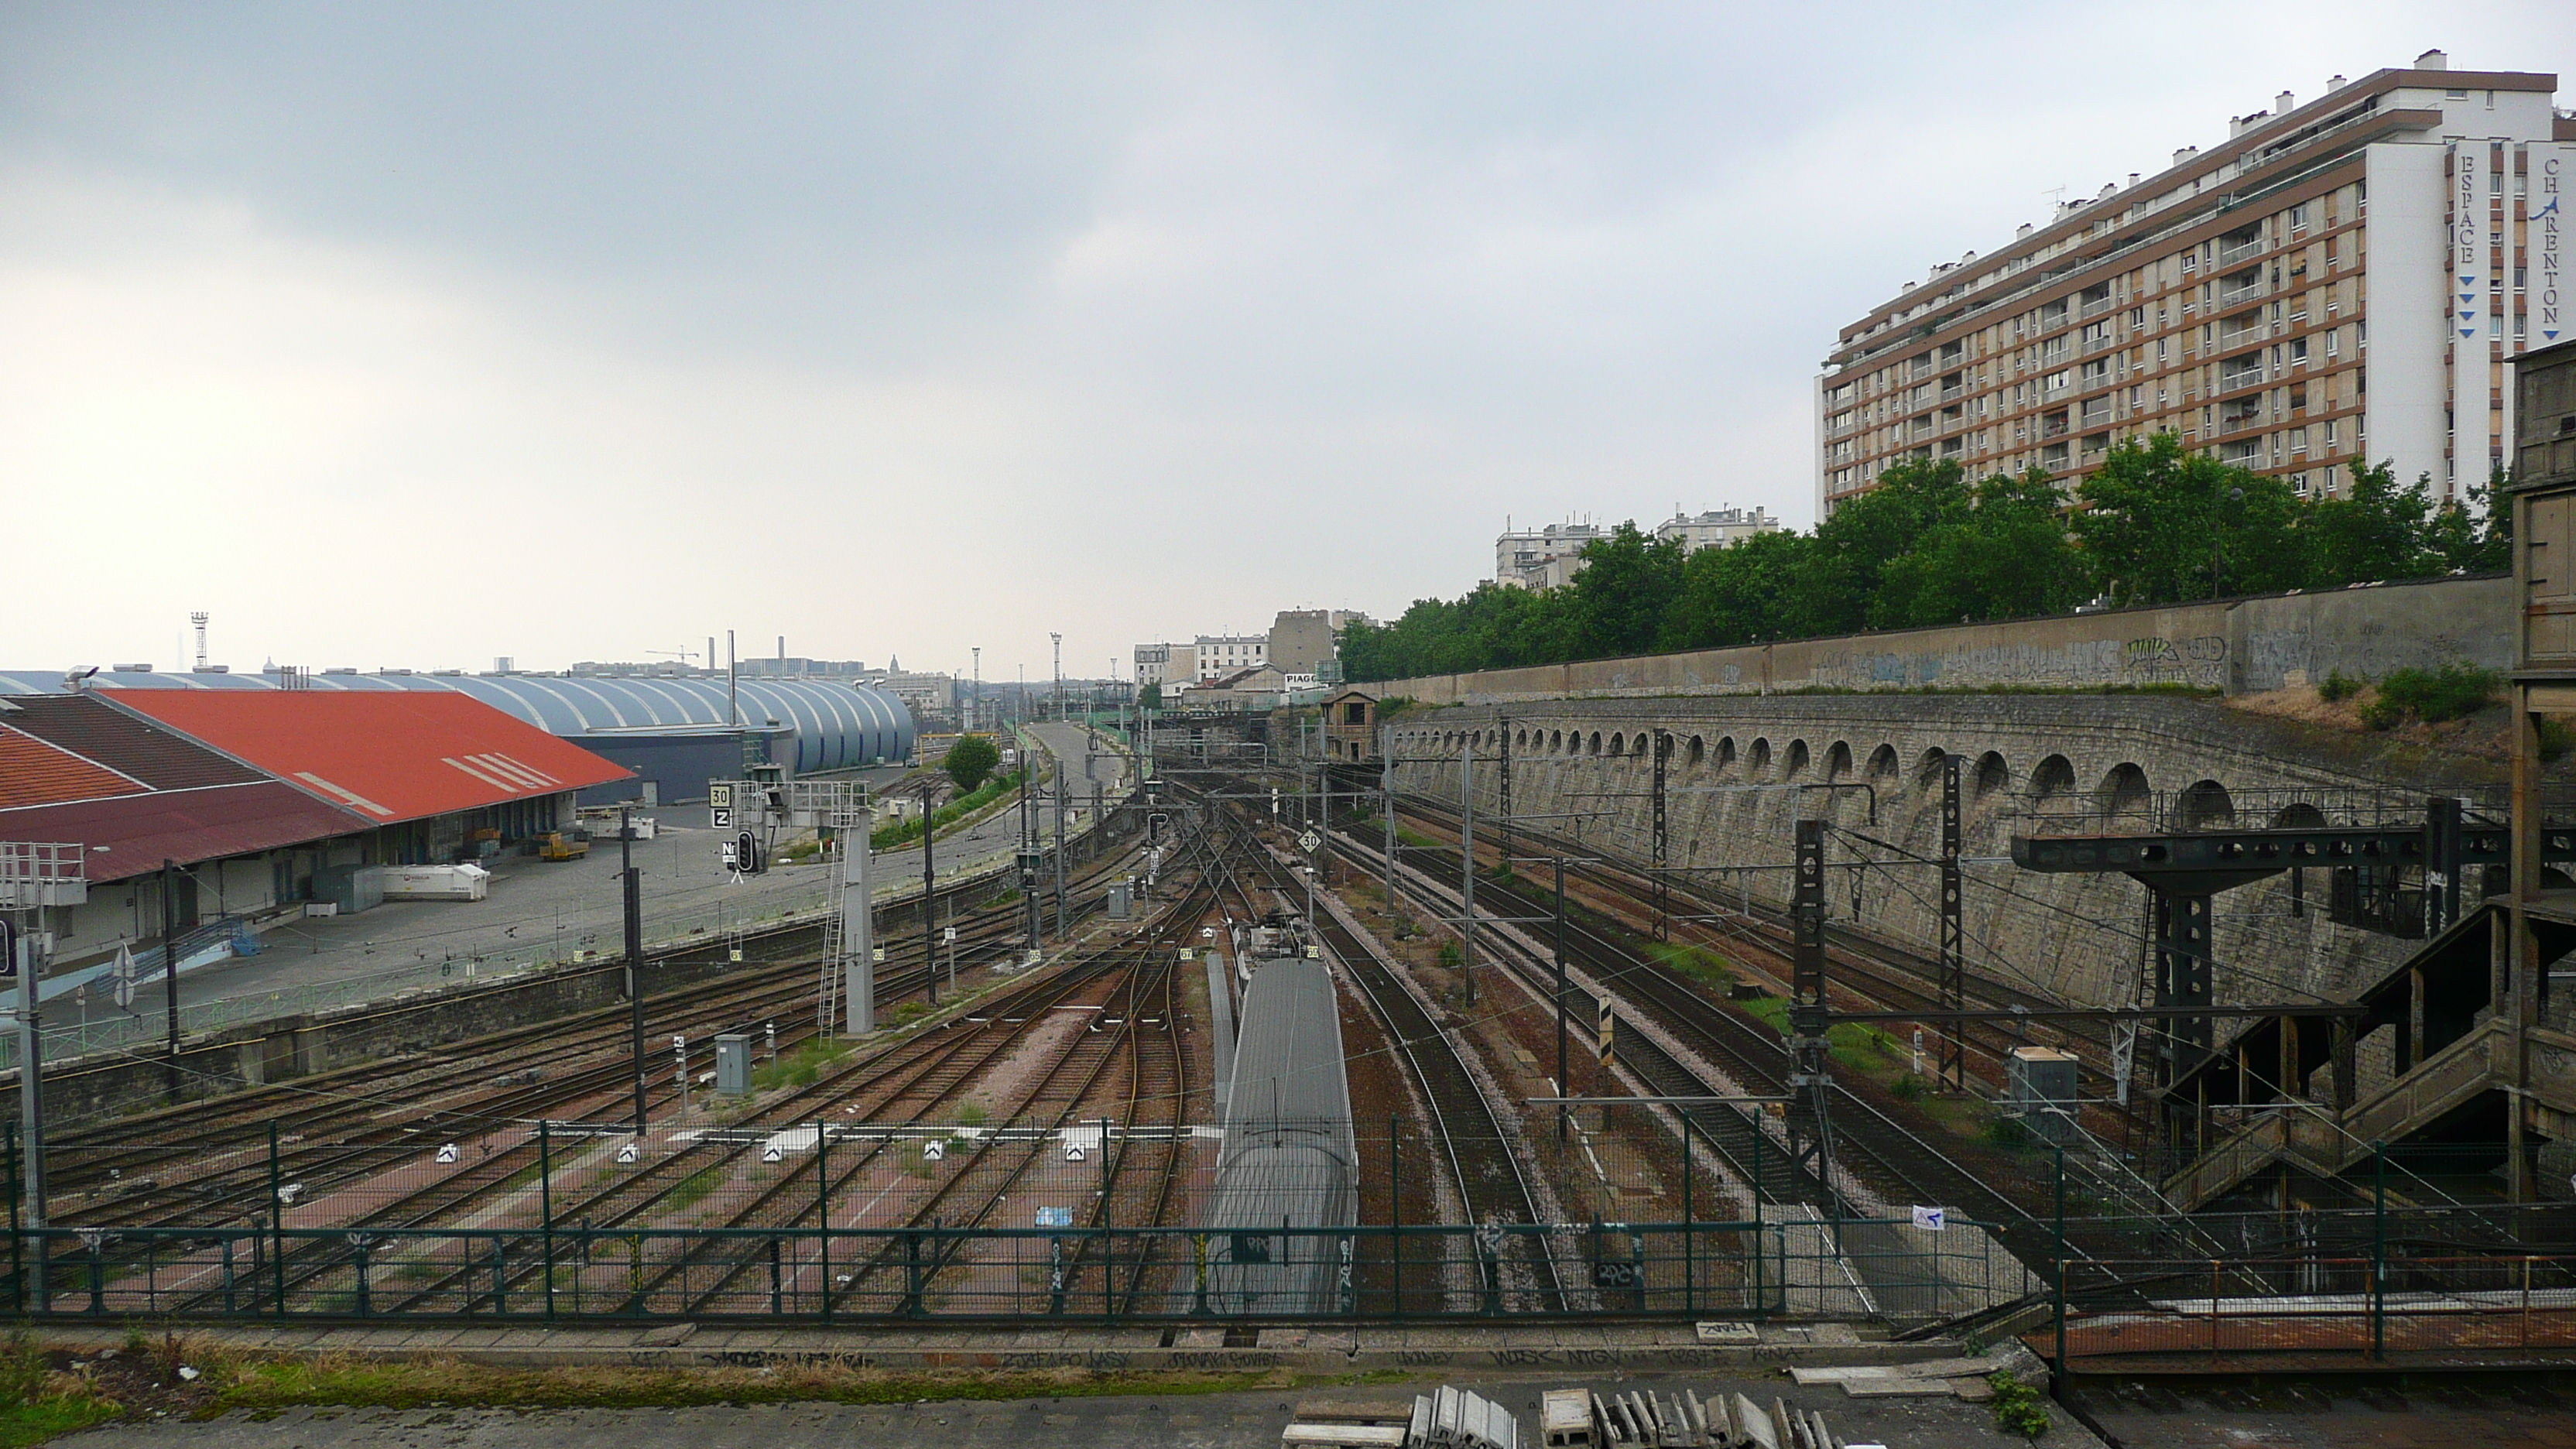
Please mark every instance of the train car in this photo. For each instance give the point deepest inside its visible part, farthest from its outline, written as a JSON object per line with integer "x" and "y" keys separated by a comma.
{"x": 1288, "y": 1159}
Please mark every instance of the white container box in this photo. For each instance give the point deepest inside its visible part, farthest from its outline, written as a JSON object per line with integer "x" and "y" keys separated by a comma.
{"x": 436, "y": 882}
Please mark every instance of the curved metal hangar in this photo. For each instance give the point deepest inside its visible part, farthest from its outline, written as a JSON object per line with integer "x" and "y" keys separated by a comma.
{"x": 673, "y": 732}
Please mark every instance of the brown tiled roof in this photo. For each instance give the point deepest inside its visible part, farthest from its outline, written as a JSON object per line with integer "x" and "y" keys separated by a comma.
{"x": 144, "y": 749}
{"x": 33, "y": 772}
{"x": 132, "y": 834}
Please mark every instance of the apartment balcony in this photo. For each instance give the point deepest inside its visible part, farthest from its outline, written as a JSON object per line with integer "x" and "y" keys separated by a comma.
{"x": 1953, "y": 392}
{"x": 2093, "y": 381}
{"x": 2101, "y": 344}
{"x": 2242, "y": 292}
{"x": 2230, "y": 339}
{"x": 2097, "y": 307}
{"x": 2230, "y": 256}
{"x": 2231, "y": 381}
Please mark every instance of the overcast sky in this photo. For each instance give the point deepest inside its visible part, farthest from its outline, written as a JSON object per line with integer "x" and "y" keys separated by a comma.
{"x": 419, "y": 335}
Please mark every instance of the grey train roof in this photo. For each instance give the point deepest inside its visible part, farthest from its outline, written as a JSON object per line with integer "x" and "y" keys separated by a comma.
{"x": 837, "y": 725}
{"x": 1288, "y": 1156}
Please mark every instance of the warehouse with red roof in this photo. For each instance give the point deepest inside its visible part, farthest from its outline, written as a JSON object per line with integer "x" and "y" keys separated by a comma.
{"x": 252, "y": 800}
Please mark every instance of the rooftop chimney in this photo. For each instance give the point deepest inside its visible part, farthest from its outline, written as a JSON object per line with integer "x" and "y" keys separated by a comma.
{"x": 2335, "y": 83}
{"x": 2185, "y": 154}
{"x": 2022, "y": 231}
{"x": 2284, "y": 103}
{"x": 2432, "y": 60}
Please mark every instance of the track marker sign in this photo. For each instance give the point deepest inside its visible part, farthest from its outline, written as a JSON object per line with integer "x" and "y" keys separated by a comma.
{"x": 1931, "y": 1219}
{"x": 630, "y": 1154}
{"x": 773, "y": 1153}
{"x": 720, "y": 818}
{"x": 1073, "y": 1152}
{"x": 449, "y": 1153}
{"x": 1308, "y": 841}
{"x": 934, "y": 1151}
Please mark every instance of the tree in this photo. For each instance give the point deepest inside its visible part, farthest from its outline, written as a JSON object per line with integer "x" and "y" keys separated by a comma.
{"x": 2007, "y": 556}
{"x": 1618, "y": 603}
{"x": 1151, "y": 697}
{"x": 970, "y": 760}
{"x": 2375, "y": 531}
{"x": 1839, "y": 577}
{"x": 2481, "y": 543}
{"x": 1738, "y": 594}
{"x": 2162, "y": 524}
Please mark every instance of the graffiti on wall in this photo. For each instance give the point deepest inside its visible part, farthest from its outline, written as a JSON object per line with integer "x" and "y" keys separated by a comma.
{"x": 2199, "y": 661}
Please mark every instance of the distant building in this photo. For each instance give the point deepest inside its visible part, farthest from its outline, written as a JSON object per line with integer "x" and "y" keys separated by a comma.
{"x": 923, "y": 694}
{"x": 1154, "y": 664}
{"x": 1717, "y": 528}
{"x": 1302, "y": 641}
{"x": 1543, "y": 558}
{"x": 1222, "y": 654}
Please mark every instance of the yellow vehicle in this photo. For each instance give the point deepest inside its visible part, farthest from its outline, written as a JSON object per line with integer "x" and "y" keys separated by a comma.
{"x": 560, "y": 846}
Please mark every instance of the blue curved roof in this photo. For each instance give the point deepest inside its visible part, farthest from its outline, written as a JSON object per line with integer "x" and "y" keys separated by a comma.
{"x": 836, "y": 725}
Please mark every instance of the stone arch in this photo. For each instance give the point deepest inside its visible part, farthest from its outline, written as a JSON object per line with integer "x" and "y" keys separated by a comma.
{"x": 1758, "y": 761}
{"x": 1642, "y": 745}
{"x": 1797, "y": 764}
{"x": 1592, "y": 746}
{"x": 1927, "y": 770}
{"x": 2206, "y": 805}
{"x": 1882, "y": 763}
{"x": 1725, "y": 752}
{"x": 1696, "y": 751}
{"x": 2298, "y": 815}
{"x": 1992, "y": 774}
{"x": 2125, "y": 791}
{"x": 1838, "y": 760}
{"x": 2054, "y": 777}
{"x": 1617, "y": 745}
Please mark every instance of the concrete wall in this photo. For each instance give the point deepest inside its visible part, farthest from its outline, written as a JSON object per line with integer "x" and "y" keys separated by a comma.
{"x": 2233, "y": 646}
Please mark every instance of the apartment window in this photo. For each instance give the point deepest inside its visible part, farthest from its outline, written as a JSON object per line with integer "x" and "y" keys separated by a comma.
{"x": 2298, "y": 218}
{"x": 2360, "y": 343}
{"x": 2333, "y": 336}
{"x": 2160, "y": 350}
{"x": 2298, "y": 442}
{"x": 2298, "y": 352}
{"x": 2326, "y": 435}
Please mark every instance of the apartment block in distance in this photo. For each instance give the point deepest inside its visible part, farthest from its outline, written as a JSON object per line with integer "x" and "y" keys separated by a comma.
{"x": 1716, "y": 528}
{"x": 2343, "y": 281}
{"x": 1542, "y": 558}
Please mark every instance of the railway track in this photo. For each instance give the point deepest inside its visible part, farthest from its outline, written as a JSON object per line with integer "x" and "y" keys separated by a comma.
{"x": 1466, "y": 1127}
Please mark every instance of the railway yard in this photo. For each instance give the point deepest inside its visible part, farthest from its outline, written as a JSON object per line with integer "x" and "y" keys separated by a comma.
{"x": 1265, "y": 1072}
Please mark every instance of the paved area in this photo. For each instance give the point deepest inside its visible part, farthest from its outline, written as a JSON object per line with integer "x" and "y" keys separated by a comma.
{"x": 1150, "y": 1421}
{"x": 2394, "y": 1411}
{"x": 536, "y": 911}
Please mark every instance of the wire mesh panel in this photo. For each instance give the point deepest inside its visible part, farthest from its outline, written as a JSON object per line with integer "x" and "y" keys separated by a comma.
{"x": 2357, "y": 1307}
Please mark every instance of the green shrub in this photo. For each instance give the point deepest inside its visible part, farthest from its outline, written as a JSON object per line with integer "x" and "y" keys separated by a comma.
{"x": 2018, "y": 1408}
{"x": 1907, "y": 1089}
{"x": 2555, "y": 738}
{"x": 2453, "y": 691}
{"x": 2339, "y": 687}
{"x": 2381, "y": 713}
{"x": 1450, "y": 955}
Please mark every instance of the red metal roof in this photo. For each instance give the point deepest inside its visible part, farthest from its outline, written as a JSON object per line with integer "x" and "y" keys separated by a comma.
{"x": 131, "y": 835}
{"x": 33, "y": 772}
{"x": 389, "y": 756}
{"x": 151, "y": 754}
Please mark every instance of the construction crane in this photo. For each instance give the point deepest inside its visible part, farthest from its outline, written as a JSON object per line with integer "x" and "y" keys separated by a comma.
{"x": 683, "y": 655}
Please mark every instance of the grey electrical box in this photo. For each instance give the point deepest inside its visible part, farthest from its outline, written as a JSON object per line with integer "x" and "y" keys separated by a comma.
{"x": 2039, "y": 1086}
{"x": 1121, "y": 901}
{"x": 733, "y": 1065}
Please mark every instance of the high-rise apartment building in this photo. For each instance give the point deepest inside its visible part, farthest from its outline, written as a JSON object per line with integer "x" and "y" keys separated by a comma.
{"x": 2343, "y": 281}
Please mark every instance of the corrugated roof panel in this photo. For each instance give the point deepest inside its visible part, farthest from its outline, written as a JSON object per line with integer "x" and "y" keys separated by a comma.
{"x": 131, "y": 835}
{"x": 33, "y": 772}
{"x": 88, "y": 726}
{"x": 389, "y": 755}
